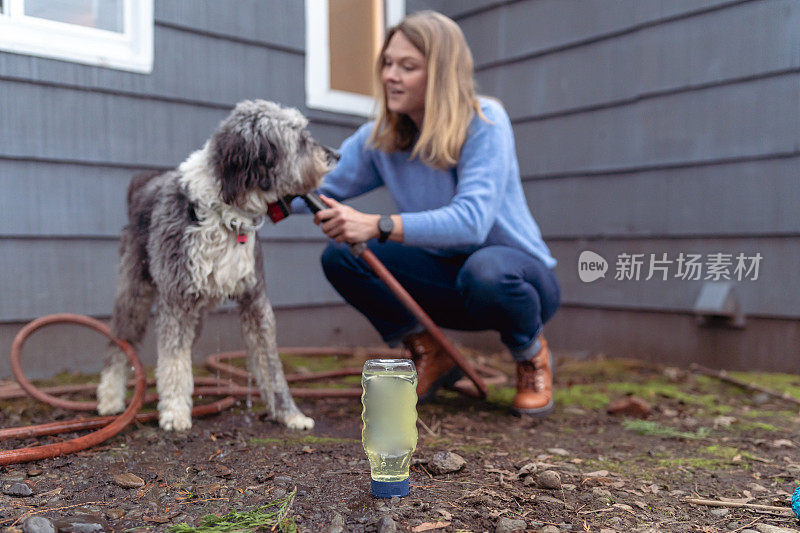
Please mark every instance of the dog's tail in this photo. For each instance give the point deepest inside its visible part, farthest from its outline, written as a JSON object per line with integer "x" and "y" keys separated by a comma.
{"x": 137, "y": 182}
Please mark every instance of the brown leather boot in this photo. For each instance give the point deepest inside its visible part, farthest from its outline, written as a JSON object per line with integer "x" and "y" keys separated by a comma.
{"x": 535, "y": 384}
{"x": 434, "y": 367}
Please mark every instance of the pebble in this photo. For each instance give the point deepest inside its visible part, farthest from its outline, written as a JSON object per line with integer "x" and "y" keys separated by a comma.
{"x": 509, "y": 525}
{"x": 549, "y": 479}
{"x": 766, "y": 528}
{"x": 18, "y": 490}
{"x": 278, "y": 494}
{"x": 603, "y": 493}
{"x": 38, "y": 524}
{"x": 720, "y": 512}
{"x": 115, "y": 514}
{"x": 549, "y": 529}
{"x": 33, "y": 472}
{"x": 607, "y": 530}
{"x": 128, "y": 481}
{"x": 282, "y": 480}
{"x": 387, "y": 525}
{"x": 337, "y": 524}
{"x": 446, "y": 462}
{"x": 760, "y": 399}
{"x": 16, "y": 475}
{"x": 558, "y": 451}
{"x": 82, "y": 524}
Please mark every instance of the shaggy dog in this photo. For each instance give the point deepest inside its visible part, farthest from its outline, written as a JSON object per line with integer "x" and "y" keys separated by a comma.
{"x": 191, "y": 243}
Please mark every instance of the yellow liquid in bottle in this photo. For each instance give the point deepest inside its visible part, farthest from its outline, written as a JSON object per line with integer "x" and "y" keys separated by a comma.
{"x": 389, "y": 416}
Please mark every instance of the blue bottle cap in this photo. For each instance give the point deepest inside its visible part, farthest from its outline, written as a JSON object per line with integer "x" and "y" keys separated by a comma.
{"x": 390, "y": 489}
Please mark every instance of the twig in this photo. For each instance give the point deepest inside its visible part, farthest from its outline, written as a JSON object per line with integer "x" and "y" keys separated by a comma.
{"x": 717, "y": 503}
{"x": 723, "y": 376}
{"x": 745, "y": 526}
{"x": 426, "y": 428}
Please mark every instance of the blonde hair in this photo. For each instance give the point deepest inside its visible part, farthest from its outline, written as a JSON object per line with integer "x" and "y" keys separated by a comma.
{"x": 450, "y": 99}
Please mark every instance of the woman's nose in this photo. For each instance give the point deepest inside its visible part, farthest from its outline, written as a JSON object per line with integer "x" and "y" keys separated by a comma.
{"x": 390, "y": 73}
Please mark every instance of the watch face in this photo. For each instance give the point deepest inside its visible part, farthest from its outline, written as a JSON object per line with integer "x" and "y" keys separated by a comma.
{"x": 385, "y": 224}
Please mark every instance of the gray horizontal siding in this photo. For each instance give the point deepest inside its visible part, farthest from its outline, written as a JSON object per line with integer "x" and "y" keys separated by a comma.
{"x": 727, "y": 45}
{"x": 45, "y": 200}
{"x": 43, "y": 276}
{"x": 499, "y": 31}
{"x": 752, "y": 198}
{"x": 771, "y": 295}
{"x": 746, "y": 120}
{"x": 280, "y": 22}
{"x": 187, "y": 67}
{"x": 74, "y": 125}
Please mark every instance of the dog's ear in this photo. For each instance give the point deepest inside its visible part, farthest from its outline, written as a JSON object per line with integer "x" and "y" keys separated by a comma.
{"x": 233, "y": 163}
{"x": 267, "y": 158}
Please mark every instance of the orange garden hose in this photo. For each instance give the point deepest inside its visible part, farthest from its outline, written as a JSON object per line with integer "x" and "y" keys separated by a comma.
{"x": 109, "y": 426}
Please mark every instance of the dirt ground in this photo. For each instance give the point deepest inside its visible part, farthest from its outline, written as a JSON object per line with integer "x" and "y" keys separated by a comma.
{"x": 702, "y": 439}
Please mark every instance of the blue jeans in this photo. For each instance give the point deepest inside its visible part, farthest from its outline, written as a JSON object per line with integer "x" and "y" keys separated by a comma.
{"x": 496, "y": 287}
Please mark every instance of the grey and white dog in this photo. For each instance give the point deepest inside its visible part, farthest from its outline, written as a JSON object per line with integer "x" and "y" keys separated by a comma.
{"x": 191, "y": 243}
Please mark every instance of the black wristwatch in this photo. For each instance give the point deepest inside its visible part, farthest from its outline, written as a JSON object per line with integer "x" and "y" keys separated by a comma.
{"x": 385, "y": 227}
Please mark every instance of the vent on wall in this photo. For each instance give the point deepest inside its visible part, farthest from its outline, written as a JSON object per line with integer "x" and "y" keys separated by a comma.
{"x": 718, "y": 305}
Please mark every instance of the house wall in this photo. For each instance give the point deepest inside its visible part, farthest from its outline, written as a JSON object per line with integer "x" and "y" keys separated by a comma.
{"x": 655, "y": 126}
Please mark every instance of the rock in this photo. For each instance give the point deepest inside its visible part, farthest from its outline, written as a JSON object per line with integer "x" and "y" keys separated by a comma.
{"x": 115, "y": 514}
{"x": 550, "y": 500}
{"x": 282, "y": 480}
{"x": 558, "y": 451}
{"x": 631, "y": 406}
{"x": 509, "y": 525}
{"x": 82, "y": 524}
{"x": 33, "y": 472}
{"x": 446, "y": 462}
{"x": 760, "y": 399}
{"x": 18, "y": 490}
{"x": 387, "y": 525}
{"x": 766, "y": 528}
{"x": 549, "y": 529}
{"x": 15, "y": 475}
{"x": 603, "y": 493}
{"x": 720, "y": 512}
{"x": 337, "y": 524}
{"x": 278, "y": 494}
{"x": 38, "y": 524}
{"x": 607, "y": 530}
{"x": 128, "y": 481}
{"x": 549, "y": 479}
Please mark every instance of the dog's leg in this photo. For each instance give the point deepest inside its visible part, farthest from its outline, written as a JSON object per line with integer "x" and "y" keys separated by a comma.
{"x": 176, "y": 330}
{"x": 258, "y": 326}
{"x": 132, "y": 303}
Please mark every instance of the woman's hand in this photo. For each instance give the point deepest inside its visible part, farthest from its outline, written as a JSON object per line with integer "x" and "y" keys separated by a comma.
{"x": 344, "y": 224}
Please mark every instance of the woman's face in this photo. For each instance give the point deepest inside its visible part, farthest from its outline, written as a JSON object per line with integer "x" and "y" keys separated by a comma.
{"x": 404, "y": 77}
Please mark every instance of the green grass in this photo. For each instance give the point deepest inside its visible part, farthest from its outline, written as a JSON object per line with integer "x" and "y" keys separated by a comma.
{"x": 275, "y": 513}
{"x": 654, "y": 429}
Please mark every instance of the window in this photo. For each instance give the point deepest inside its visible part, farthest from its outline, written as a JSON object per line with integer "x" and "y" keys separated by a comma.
{"x": 108, "y": 33}
{"x": 343, "y": 38}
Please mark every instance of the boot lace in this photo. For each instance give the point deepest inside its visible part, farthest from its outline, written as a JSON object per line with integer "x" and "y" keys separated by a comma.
{"x": 529, "y": 376}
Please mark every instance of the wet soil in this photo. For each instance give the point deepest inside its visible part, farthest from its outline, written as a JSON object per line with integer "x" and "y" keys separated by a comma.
{"x": 702, "y": 439}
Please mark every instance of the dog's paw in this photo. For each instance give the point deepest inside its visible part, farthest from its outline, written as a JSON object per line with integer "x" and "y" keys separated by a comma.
{"x": 174, "y": 421}
{"x": 299, "y": 421}
{"x": 110, "y": 407}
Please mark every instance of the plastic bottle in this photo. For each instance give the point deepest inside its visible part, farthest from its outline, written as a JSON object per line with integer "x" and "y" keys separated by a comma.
{"x": 389, "y": 416}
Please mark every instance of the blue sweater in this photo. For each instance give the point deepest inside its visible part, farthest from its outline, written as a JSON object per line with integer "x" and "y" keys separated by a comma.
{"x": 475, "y": 204}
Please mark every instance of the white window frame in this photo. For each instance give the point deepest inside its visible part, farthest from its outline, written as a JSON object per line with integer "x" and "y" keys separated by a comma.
{"x": 319, "y": 94}
{"x": 130, "y": 50}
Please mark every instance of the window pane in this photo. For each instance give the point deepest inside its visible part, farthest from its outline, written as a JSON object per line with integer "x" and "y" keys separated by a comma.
{"x": 101, "y": 14}
{"x": 355, "y": 32}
